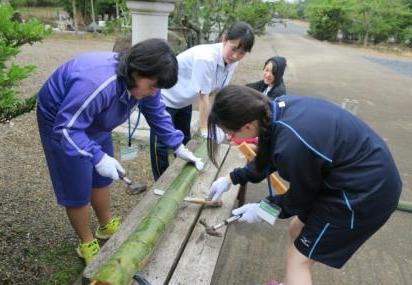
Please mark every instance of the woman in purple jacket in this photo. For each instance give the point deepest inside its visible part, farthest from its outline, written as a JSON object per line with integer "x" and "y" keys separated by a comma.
{"x": 79, "y": 106}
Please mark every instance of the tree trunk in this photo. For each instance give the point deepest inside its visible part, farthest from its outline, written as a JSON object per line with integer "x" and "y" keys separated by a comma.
{"x": 74, "y": 15}
{"x": 93, "y": 16}
{"x": 366, "y": 39}
{"x": 92, "y": 8}
{"x": 117, "y": 9}
{"x": 135, "y": 252}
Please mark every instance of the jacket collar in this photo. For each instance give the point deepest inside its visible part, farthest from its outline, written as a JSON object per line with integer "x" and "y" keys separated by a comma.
{"x": 124, "y": 94}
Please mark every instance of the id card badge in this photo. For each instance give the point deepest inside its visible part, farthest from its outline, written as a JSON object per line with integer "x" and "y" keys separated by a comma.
{"x": 268, "y": 212}
{"x": 128, "y": 152}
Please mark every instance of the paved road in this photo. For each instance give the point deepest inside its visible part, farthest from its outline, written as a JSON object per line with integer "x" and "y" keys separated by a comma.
{"x": 403, "y": 67}
{"x": 379, "y": 90}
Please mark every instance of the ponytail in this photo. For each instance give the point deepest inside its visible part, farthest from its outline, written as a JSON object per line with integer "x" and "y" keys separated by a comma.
{"x": 263, "y": 155}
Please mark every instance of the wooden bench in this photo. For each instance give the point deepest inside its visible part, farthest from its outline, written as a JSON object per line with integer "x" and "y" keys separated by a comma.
{"x": 186, "y": 254}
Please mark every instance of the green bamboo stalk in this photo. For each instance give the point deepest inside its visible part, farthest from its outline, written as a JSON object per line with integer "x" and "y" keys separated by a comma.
{"x": 135, "y": 252}
{"x": 405, "y": 206}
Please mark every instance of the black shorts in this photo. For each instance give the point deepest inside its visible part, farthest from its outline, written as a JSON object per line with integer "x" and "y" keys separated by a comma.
{"x": 331, "y": 244}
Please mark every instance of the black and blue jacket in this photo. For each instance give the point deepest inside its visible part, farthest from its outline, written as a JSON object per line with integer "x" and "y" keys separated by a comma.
{"x": 339, "y": 170}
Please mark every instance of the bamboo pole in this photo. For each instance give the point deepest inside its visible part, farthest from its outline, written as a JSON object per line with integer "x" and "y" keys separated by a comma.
{"x": 135, "y": 252}
{"x": 405, "y": 206}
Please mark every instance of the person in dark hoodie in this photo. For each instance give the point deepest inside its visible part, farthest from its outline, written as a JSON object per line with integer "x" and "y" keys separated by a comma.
{"x": 343, "y": 182}
{"x": 272, "y": 84}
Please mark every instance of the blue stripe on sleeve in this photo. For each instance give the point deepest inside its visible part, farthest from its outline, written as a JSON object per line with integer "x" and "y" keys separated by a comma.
{"x": 80, "y": 110}
{"x": 305, "y": 142}
{"x": 350, "y": 208}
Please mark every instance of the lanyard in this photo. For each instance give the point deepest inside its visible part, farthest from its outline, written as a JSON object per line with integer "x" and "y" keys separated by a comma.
{"x": 131, "y": 132}
{"x": 224, "y": 80}
{"x": 269, "y": 186}
{"x": 274, "y": 117}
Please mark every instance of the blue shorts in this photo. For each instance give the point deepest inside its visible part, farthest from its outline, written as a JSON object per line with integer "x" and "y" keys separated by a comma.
{"x": 73, "y": 177}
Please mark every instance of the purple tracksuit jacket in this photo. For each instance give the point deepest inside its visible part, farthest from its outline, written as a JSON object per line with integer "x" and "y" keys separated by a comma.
{"x": 84, "y": 100}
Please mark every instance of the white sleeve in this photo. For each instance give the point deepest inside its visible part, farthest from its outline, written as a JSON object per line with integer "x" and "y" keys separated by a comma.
{"x": 203, "y": 71}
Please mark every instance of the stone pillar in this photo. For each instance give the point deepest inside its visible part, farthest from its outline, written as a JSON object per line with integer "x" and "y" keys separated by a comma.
{"x": 150, "y": 19}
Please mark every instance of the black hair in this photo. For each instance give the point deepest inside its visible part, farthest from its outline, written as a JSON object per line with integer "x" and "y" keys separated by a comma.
{"x": 274, "y": 65}
{"x": 278, "y": 68}
{"x": 244, "y": 33}
{"x": 152, "y": 58}
{"x": 228, "y": 111}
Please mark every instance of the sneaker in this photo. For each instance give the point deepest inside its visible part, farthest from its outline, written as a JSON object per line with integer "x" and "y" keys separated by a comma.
{"x": 106, "y": 231}
{"x": 88, "y": 251}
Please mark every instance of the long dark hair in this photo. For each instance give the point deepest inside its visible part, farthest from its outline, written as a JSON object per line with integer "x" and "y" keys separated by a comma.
{"x": 233, "y": 107}
{"x": 152, "y": 58}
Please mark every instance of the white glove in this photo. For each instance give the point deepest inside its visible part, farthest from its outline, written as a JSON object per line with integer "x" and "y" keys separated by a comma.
{"x": 221, "y": 185}
{"x": 185, "y": 154}
{"x": 220, "y": 134}
{"x": 109, "y": 167}
{"x": 248, "y": 212}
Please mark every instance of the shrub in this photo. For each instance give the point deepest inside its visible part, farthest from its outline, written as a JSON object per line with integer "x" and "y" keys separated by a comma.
{"x": 407, "y": 36}
{"x": 14, "y": 34}
{"x": 326, "y": 20}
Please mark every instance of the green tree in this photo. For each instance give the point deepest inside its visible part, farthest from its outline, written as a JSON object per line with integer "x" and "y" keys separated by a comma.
{"x": 378, "y": 19}
{"x": 326, "y": 18}
{"x": 31, "y": 3}
{"x": 205, "y": 21}
{"x": 364, "y": 20}
{"x": 14, "y": 34}
{"x": 285, "y": 9}
{"x": 408, "y": 3}
{"x": 407, "y": 36}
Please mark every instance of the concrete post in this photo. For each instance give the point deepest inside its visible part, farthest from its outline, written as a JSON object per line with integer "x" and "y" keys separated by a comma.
{"x": 150, "y": 19}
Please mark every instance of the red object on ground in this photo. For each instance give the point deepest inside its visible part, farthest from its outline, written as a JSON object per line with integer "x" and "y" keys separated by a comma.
{"x": 239, "y": 141}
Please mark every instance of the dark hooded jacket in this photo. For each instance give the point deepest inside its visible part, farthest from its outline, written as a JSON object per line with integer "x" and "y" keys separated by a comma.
{"x": 278, "y": 88}
{"x": 339, "y": 170}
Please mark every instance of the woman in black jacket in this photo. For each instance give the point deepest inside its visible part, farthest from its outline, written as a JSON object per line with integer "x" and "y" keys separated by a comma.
{"x": 272, "y": 84}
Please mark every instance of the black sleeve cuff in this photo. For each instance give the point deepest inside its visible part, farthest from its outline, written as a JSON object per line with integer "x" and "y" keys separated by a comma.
{"x": 278, "y": 200}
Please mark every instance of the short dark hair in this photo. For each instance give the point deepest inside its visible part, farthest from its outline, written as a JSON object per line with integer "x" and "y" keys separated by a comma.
{"x": 152, "y": 58}
{"x": 244, "y": 32}
{"x": 228, "y": 111}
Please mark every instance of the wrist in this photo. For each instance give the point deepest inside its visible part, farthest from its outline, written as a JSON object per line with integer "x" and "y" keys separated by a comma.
{"x": 179, "y": 148}
{"x": 229, "y": 179}
{"x": 98, "y": 156}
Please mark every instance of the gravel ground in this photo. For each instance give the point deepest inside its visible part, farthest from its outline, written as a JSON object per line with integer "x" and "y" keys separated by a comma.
{"x": 36, "y": 241}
